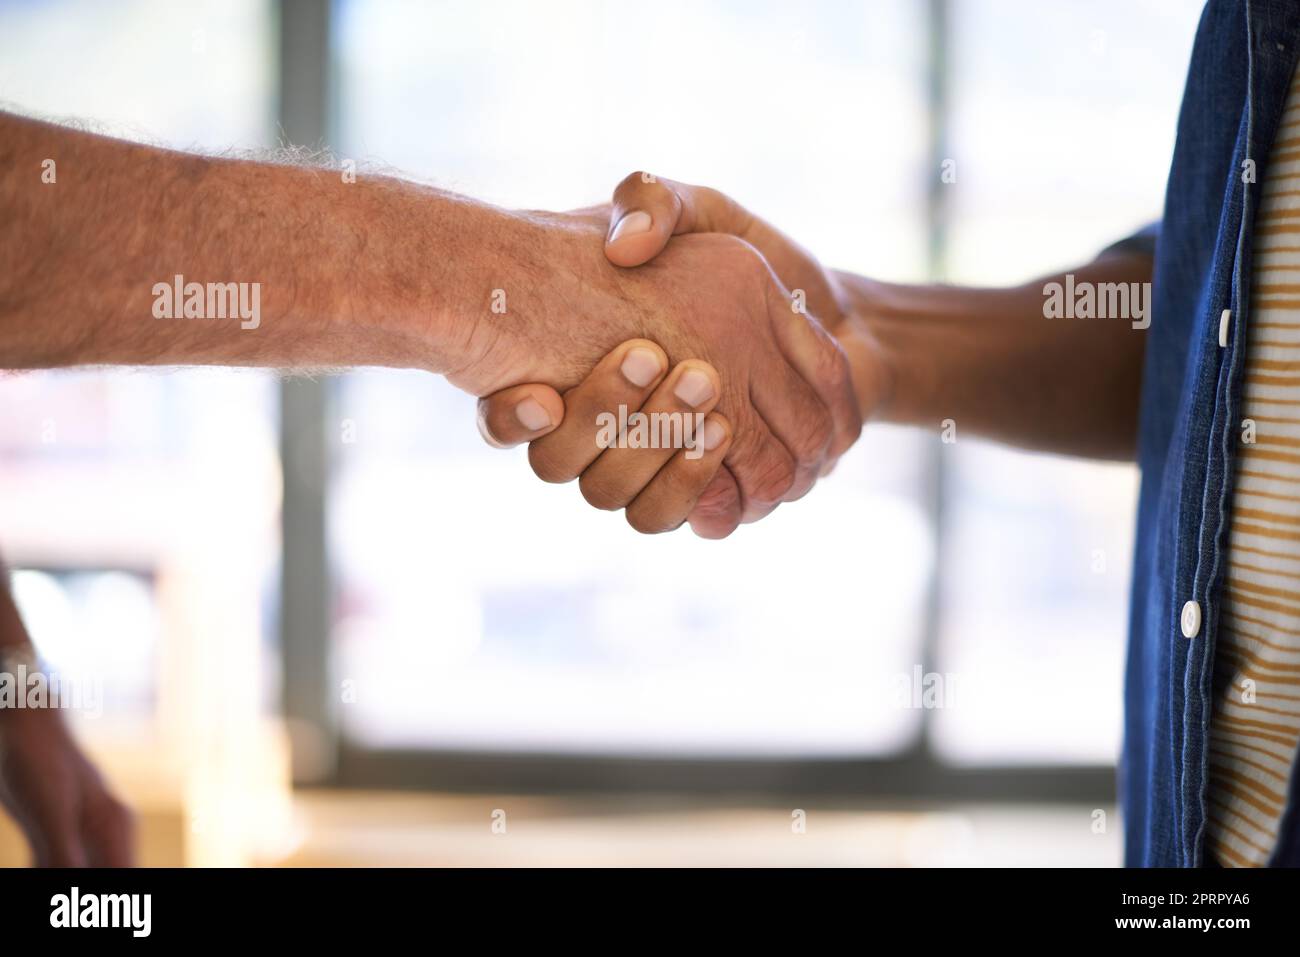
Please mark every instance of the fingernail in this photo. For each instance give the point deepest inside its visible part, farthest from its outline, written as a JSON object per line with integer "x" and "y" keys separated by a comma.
{"x": 641, "y": 367}
{"x": 532, "y": 416}
{"x": 694, "y": 388}
{"x": 713, "y": 435}
{"x": 637, "y": 221}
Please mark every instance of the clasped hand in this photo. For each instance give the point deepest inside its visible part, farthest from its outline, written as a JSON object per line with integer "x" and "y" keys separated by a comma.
{"x": 761, "y": 378}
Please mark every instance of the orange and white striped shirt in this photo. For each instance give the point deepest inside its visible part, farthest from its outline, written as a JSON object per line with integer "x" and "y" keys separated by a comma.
{"x": 1256, "y": 721}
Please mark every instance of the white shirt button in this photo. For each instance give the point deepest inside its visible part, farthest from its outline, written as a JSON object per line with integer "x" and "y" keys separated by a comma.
{"x": 1224, "y": 319}
{"x": 1191, "y": 619}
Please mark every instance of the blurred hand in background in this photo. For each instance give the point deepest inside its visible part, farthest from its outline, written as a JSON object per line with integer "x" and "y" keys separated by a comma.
{"x": 49, "y": 787}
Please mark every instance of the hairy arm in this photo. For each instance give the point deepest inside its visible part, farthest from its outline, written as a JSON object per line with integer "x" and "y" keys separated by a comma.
{"x": 380, "y": 271}
{"x": 371, "y": 272}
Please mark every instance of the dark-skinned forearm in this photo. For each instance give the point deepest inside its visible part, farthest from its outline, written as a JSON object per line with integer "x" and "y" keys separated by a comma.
{"x": 989, "y": 360}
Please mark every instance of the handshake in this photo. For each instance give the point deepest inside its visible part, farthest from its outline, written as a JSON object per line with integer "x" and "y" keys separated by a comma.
{"x": 725, "y": 369}
{"x": 672, "y": 305}
{"x": 672, "y": 308}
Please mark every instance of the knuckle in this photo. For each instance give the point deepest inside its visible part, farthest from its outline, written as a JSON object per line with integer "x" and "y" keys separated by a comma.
{"x": 674, "y": 483}
{"x": 633, "y": 183}
{"x": 649, "y": 522}
{"x": 814, "y": 440}
{"x": 832, "y": 370}
{"x": 548, "y": 465}
{"x": 840, "y": 443}
{"x": 600, "y": 493}
{"x": 830, "y": 364}
{"x": 719, "y": 499}
{"x": 774, "y": 482}
{"x": 715, "y": 198}
{"x": 630, "y": 180}
{"x": 842, "y": 376}
{"x": 769, "y": 476}
{"x": 724, "y": 214}
{"x": 844, "y": 438}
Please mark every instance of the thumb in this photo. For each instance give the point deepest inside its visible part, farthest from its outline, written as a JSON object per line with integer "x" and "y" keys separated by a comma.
{"x": 518, "y": 414}
{"x": 648, "y": 210}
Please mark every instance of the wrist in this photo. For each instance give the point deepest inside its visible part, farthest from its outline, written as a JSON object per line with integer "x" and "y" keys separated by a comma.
{"x": 888, "y": 373}
{"x": 543, "y": 305}
{"x": 423, "y": 278}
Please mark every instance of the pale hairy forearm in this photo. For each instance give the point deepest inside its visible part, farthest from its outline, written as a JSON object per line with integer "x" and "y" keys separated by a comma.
{"x": 376, "y": 271}
{"x": 989, "y": 360}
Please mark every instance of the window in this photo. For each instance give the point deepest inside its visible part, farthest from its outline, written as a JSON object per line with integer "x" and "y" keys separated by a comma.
{"x": 473, "y": 609}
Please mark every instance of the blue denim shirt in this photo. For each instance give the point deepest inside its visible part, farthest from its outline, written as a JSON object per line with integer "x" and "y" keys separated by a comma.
{"x": 1240, "y": 73}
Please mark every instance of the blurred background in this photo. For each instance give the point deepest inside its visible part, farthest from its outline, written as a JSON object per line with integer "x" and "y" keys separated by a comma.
{"x": 331, "y": 626}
